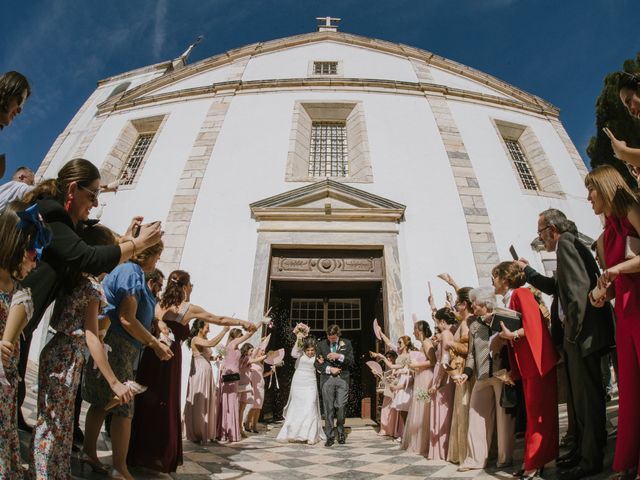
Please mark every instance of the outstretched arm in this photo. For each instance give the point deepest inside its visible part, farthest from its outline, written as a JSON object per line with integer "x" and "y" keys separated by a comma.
{"x": 237, "y": 341}
{"x": 196, "y": 311}
{"x": 210, "y": 342}
{"x": 387, "y": 341}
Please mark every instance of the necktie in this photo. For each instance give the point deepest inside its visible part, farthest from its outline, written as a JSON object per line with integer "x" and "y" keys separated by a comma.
{"x": 333, "y": 348}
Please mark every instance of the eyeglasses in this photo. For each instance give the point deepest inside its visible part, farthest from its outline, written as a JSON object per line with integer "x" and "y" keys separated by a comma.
{"x": 93, "y": 194}
{"x": 545, "y": 228}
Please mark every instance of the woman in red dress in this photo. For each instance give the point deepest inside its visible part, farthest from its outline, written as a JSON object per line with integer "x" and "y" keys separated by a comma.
{"x": 533, "y": 359}
{"x": 611, "y": 196}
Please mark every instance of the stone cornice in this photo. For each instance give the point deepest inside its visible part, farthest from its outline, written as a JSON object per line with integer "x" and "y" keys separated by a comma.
{"x": 292, "y": 205}
{"x": 350, "y": 84}
{"x": 534, "y": 103}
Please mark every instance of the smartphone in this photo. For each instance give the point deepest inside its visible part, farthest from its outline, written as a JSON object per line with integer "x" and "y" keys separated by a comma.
{"x": 513, "y": 253}
{"x": 135, "y": 231}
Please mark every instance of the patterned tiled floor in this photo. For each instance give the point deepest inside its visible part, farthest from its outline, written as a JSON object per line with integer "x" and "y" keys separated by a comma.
{"x": 365, "y": 456}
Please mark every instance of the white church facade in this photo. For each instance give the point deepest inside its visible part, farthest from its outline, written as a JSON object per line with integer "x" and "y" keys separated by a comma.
{"x": 328, "y": 175}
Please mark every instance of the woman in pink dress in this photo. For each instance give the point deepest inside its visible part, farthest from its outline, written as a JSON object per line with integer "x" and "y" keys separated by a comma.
{"x": 245, "y": 392}
{"x": 388, "y": 414}
{"x": 229, "y": 417}
{"x": 200, "y": 407}
{"x": 442, "y": 389}
{"x": 416, "y": 431}
{"x": 256, "y": 379}
{"x": 610, "y": 195}
{"x": 404, "y": 386}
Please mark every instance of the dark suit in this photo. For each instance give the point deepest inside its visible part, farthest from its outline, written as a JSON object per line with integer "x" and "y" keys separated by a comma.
{"x": 587, "y": 333}
{"x": 335, "y": 388}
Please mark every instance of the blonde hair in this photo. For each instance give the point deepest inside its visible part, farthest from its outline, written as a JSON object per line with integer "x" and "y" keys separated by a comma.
{"x": 148, "y": 252}
{"x": 616, "y": 195}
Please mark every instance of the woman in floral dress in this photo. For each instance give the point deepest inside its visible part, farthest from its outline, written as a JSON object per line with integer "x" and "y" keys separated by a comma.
{"x": 19, "y": 244}
{"x": 75, "y": 320}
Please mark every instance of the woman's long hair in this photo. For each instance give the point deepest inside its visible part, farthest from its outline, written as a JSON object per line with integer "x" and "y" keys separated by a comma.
{"x": 424, "y": 327}
{"x": 616, "y": 195}
{"x": 12, "y": 84}
{"x": 406, "y": 340}
{"x": 78, "y": 170}
{"x": 173, "y": 294}
{"x": 14, "y": 241}
{"x": 196, "y": 326}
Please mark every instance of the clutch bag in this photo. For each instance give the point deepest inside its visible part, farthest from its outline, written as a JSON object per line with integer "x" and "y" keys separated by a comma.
{"x": 511, "y": 319}
{"x": 632, "y": 247}
{"x": 231, "y": 377}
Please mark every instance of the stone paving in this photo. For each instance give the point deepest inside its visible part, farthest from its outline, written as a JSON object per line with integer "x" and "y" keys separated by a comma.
{"x": 259, "y": 457}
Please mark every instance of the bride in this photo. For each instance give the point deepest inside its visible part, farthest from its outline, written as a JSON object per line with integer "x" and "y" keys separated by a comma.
{"x": 302, "y": 413}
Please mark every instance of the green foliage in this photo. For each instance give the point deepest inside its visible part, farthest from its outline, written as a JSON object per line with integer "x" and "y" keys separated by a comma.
{"x": 610, "y": 112}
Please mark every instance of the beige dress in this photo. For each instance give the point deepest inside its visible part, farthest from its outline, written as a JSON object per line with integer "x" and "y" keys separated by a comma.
{"x": 460, "y": 423}
{"x": 200, "y": 413}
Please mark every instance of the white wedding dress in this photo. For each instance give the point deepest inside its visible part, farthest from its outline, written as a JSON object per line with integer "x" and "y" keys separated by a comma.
{"x": 302, "y": 414}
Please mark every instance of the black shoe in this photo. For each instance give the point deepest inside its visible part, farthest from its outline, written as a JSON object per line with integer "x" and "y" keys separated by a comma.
{"x": 330, "y": 441}
{"x": 342, "y": 438}
{"x": 572, "y": 453}
{"x": 568, "y": 463}
{"x": 576, "y": 473}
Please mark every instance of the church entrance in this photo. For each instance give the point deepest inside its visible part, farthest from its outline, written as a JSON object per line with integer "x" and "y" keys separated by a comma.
{"x": 344, "y": 288}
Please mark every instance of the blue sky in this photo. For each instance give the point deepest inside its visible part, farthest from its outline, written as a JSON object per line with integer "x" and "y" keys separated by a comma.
{"x": 557, "y": 49}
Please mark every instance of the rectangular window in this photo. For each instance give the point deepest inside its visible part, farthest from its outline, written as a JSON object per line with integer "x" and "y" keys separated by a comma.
{"x": 136, "y": 156}
{"x": 328, "y": 150}
{"x": 319, "y": 313}
{"x": 325, "y": 68}
{"x": 522, "y": 166}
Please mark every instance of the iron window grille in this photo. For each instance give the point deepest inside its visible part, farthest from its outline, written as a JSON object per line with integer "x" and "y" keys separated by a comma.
{"x": 328, "y": 155}
{"x": 319, "y": 313}
{"x": 136, "y": 156}
{"x": 325, "y": 68}
{"x": 522, "y": 165}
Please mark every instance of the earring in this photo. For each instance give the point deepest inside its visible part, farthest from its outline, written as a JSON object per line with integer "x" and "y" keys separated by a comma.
{"x": 67, "y": 204}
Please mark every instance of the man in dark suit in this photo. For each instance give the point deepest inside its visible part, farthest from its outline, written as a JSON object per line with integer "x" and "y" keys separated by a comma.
{"x": 334, "y": 358}
{"x": 586, "y": 334}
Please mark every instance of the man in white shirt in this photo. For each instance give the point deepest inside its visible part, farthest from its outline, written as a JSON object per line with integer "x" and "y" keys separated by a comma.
{"x": 21, "y": 183}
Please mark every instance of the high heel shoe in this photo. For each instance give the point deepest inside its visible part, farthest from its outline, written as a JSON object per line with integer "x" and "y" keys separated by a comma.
{"x": 536, "y": 475}
{"x": 116, "y": 475}
{"x": 96, "y": 465}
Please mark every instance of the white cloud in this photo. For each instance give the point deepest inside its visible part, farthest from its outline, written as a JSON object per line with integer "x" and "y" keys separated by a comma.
{"x": 159, "y": 28}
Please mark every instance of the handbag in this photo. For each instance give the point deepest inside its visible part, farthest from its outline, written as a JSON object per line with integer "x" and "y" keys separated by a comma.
{"x": 631, "y": 247}
{"x": 230, "y": 377}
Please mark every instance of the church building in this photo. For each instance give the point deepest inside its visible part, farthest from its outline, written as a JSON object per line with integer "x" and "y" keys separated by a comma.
{"x": 329, "y": 176}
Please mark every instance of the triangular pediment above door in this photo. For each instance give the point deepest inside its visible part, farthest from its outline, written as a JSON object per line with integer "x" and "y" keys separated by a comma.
{"x": 328, "y": 200}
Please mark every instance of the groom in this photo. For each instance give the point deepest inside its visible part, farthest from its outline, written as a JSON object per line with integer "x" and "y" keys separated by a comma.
{"x": 334, "y": 358}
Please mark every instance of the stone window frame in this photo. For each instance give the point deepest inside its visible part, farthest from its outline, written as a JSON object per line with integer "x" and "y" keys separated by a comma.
{"x": 311, "y": 69}
{"x": 545, "y": 175}
{"x": 118, "y": 156}
{"x": 350, "y": 112}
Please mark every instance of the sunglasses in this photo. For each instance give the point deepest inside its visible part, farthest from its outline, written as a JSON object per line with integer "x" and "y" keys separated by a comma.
{"x": 93, "y": 194}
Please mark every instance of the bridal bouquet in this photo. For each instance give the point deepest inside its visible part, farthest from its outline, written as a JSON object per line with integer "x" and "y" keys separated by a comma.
{"x": 221, "y": 351}
{"x": 302, "y": 330}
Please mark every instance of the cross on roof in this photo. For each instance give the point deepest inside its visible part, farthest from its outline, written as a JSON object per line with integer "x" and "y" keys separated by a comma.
{"x": 328, "y": 24}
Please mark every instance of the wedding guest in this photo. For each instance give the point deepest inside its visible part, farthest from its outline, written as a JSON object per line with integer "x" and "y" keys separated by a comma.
{"x": 154, "y": 445}
{"x": 229, "y": 416}
{"x": 256, "y": 378}
{"x": 416, "y": 433}
{"x": 200, "y": 413}
{"x": 14, "y": 91}
{"x": 629, "y": 93}
{"x": 21, "y": 236}
{"x": 388, "y": 415}
{"x": 442, "y": 389}
{"x": 461, "y": 400}
{"x": 403, "y": 387}
{"x": 535, "y": 363}
{"x": 245, "y": 391}
{"x": 485, "y": 410}
{"x": 611, "y": 196}
{"x": 130, "y": 307}
{"x": 585, "y": 332}
{"x": 75, "y": 320}
{"x": 303, "y": 422}
{"x": 65, "y": 203}
{"x": 20, "y": 184}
